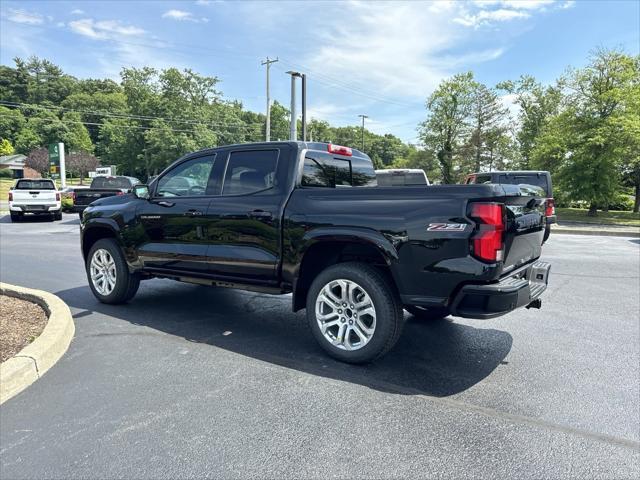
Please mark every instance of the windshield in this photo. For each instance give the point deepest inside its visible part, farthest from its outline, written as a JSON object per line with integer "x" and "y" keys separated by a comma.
{"x": 35, "y": 185}
{"x": 110, "y": 182}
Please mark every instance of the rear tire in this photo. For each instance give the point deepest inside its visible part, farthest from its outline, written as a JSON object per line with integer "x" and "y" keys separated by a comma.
{"x": 428, "y": 314}
{"x": 15, "y": 217}
{"x": 108, "y": 274}
{"x": 58, "y": 216}
{"x": 362, "y": 312}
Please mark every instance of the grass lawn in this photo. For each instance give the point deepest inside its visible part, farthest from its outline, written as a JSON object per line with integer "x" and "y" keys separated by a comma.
{"x": 612, "y": 217}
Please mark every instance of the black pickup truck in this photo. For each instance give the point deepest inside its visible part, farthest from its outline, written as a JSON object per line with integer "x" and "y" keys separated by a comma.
{"x": 309, "y": 219}
{"x": 101, "y": 187}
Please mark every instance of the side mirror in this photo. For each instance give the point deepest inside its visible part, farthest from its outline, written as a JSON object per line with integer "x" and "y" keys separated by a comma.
{"x": 141, "y": 191}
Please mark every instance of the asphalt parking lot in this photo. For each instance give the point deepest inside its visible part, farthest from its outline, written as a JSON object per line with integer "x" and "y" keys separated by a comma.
{"x": 189, "y": 381}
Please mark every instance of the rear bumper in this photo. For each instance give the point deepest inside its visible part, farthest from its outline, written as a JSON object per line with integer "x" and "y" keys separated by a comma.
{"x": 492, "y": 300}
{"x": 44, "y": 208}
{"x": 78, "y": 208}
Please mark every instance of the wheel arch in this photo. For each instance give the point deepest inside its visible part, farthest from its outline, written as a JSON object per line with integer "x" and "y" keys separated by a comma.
{"x": 327, "y": 247}
{"x": 95, "y": 231}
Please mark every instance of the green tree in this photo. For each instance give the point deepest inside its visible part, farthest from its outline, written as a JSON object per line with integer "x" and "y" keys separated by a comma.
{"x": 5, "y": 147}
{"x": 446, "y": 126}
{"x": 12, "y": 122}
{"x": 537, "y": 105}
{"x": 588, "y": 142}
{"x": 76, "y": 138}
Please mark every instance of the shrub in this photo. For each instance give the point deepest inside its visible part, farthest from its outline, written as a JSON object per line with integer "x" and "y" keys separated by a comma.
{"x": 6, "y": 173}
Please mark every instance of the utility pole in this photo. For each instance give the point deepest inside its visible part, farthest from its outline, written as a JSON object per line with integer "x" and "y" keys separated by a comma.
{"x": 268, "y": 63}
{"x": 304, "y": 107}
{"x": 293, "y": 134}
{"x": 363, "y": 117}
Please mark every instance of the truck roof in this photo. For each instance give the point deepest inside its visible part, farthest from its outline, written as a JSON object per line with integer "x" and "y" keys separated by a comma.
{"x": 316, "y": 146}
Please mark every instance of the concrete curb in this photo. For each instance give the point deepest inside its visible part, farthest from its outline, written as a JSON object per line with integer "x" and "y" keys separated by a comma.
{"x": 608, "y": 233}
{"x": 35, "y": 359}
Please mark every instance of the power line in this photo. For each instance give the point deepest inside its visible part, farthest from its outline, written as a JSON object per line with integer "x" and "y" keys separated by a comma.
{"x": 23, "y": 106}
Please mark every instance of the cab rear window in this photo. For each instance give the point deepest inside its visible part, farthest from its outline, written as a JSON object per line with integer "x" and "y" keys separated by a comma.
{"x": 535, "y": 180}
{"x": 35, "y": 185}
{"x": 325, "y": 171}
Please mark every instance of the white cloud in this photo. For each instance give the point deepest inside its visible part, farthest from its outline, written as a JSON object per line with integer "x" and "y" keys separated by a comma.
{"x": 104, "y": 29}
{"x": 77, "y": 11}
{"x": 183, "y": 16}
{"x": 485, "y": 17}
{"x": 19, "y": 15}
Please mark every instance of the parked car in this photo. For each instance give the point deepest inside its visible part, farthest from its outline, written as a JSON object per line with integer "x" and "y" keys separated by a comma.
{"x": 270, "y": 217}
{"x": 401, "y": 176}
{"x": 102, "y": 187}
{"x": 535, "y": 178}
{"x": 37, "y": 196}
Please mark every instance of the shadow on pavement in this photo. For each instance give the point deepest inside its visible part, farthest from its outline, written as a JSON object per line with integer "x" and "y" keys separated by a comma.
{"x": 433, "y": 358}
{"x": 44, "y": 218}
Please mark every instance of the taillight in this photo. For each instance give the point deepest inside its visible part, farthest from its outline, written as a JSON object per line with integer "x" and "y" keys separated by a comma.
{"x": 57, "y": 197}
{"x": 120, "y": 193}
{"x": 339, "y": 150}
{"x": 487, "y": 243}
{"x": 10, "y": 197}
{"x": 550, "y": 208}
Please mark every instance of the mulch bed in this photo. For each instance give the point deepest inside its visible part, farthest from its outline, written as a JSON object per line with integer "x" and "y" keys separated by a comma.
{"x": 20, "y": 324}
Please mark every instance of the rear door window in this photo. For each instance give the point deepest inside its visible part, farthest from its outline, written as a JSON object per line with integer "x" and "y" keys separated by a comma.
{"x": 250, "y": 171}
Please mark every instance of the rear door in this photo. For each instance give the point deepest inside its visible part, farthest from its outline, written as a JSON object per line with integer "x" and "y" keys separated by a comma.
{"x": 244, "y": 221}
{"x": 175, "y": 218}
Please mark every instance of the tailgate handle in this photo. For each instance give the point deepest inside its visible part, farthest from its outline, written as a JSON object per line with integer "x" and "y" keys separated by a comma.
{"x": 259, "y": 214}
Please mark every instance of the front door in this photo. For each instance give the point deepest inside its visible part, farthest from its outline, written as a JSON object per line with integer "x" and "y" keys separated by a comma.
{"x": 175, "y": 218}
{"x": 244, "y": 225}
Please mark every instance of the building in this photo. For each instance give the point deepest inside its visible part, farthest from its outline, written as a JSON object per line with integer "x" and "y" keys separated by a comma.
{"x": 15, "y": 163}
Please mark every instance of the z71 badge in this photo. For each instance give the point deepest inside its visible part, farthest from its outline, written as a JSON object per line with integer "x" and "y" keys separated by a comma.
{"x": 449, "y": 227}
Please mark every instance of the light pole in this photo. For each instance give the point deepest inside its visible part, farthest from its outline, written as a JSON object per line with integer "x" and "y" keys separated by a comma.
{"x": 268, "y": 63}
{"x": 293, "y": 134}
{"x": 363, "y": 117}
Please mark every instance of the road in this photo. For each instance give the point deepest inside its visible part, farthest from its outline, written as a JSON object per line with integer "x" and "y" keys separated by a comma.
{"x": 189, "y": 381}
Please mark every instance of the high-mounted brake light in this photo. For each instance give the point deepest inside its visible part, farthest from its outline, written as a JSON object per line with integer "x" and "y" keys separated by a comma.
{"x": 487, "y": 242}
{"x": 550, "y": 207}
{"x": 339, "y": 150}
{"x": 10, "y": 197}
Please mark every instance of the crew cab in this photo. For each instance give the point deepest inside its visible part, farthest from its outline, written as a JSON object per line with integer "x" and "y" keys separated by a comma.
{"x": 101, "y": 187}
{"x": 309, "y": 219}
{"x": 34, "y": 196}
{"x": 530, "y": 179}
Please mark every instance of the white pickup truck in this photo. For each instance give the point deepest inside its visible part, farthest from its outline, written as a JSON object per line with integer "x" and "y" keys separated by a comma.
{"x": 37, "y": 196}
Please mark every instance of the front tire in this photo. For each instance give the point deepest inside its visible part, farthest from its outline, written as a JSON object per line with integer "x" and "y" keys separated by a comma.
{"x": 354, "y": 312}
{"x": 108, "y": 273}
{"x": 428, "y": 314}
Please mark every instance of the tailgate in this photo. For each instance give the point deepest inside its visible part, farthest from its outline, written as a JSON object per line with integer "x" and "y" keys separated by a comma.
{"x": 34, "y": 197}
{"x": 85, "y": 197}
{"x": 525, "y": 226}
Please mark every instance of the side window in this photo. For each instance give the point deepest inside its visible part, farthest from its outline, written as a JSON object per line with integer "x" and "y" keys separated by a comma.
{"x": 189, "y": 179}
{"x": 483, "y": 179}
{"x": 250, "y": 171}
{"x": 326, "y": 173}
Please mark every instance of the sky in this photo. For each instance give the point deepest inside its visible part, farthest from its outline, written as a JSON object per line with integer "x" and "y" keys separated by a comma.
{"x": 379, "y": 59}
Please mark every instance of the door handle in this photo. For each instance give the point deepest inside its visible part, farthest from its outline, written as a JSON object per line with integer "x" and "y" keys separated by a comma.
{"x": 193, "y": 213}
{"x": 260, "y": 214}
{"x": 166, "y": 204}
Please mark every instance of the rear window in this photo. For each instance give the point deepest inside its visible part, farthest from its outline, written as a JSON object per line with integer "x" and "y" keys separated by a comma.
{"x": 535, "y": 180}
{"x": 110, "y": 182}
{"x": 35, "y": 185}
{"x": 388, "y": 179}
